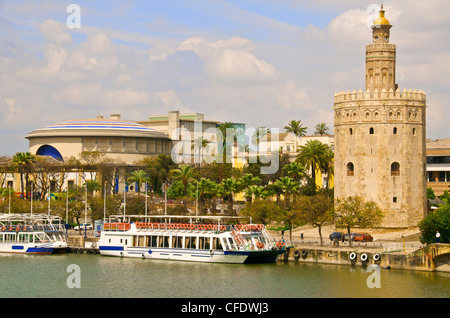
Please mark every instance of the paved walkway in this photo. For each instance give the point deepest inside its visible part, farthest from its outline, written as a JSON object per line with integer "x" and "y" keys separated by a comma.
{"x": 385, "y": 240}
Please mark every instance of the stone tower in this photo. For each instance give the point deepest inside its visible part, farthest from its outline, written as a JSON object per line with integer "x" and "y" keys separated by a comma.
{"x": 380, "y": 138}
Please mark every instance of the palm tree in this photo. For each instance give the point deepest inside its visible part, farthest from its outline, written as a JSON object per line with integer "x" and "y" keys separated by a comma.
{"x": 200, "y": 144}
{"x": 296, "y": 128}
{"x": 184, "y": 173}
{"x": 23, "y": 161}
{"x": 321, "y": 129}
{"x": 295, "y": 170}
{"x": 312, "y": 155}
{"x": 288, "y": 185}
{"x": 328, "y": 164}
{"x": 226, "y": 129}
{"x": 259, "y": 133}
{"x": 139, "y": 177}
{"x": 228, "y": 187}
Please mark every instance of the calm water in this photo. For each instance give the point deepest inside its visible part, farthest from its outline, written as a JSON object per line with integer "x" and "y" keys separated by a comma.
{"x": 47, "y": 276}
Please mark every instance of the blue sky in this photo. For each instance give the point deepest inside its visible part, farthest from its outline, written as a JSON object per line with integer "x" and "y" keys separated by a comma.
{"x": 260, "y": 62}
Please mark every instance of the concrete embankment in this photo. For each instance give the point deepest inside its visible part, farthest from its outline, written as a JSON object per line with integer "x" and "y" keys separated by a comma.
{"x": 433, "y": 257}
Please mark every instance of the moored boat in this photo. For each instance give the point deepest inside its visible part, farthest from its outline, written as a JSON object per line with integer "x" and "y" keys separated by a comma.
{"x": 189, "y": 238}
{"x": 32, "y": 234}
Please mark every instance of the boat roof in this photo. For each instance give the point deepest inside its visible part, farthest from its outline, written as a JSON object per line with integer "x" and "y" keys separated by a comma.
{"x": 203, "y": 217}
{"x": 8, "y": 217}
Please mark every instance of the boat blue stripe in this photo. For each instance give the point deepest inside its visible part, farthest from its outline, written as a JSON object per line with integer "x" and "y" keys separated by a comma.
{"x": 111, "y": 248}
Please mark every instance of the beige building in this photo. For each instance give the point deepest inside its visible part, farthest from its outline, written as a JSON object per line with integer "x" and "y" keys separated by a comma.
{"x": 380, "y": 138}
{"x": 438, "y": 165}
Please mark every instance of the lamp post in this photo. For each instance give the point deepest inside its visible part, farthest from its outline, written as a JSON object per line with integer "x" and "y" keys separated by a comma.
{"x": 104, "y": 202}
{"x": 196, "y": 201}
{"x": 85, "y": 212}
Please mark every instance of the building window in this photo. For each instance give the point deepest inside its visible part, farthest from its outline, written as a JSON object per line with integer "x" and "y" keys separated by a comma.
{"x": 350, "y": 131}
{"x": 371, "y": 131}
{"x": 414, "y": 131}
{"x": 395, "y": 169}
{"x": 350, "y": 169}
{"x": 394, "y": 131}
{"x": 394, "y": 199}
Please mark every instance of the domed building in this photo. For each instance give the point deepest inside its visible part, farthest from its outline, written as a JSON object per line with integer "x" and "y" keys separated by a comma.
{"x": 126, "y": 141}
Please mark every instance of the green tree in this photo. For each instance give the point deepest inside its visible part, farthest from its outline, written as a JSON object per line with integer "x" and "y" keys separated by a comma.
{"x": 259, "y": 133}
{"x": 261, "y": 211}
{"x": 139, "y": 177}
{"x": 312, "y": 156}
{"x": 289, "y": 186}
{"x": 200, "y": 144}
{"x": 354, "y": 211}
{"x": 296, "y": 128}
{"x": 294, "y": 170}
{"x": 315, "y": 210}
{"x": 23, "y": 161}
{"x": 439, "y": 220}
{"x": 184, "y": 173}
{"x": 321, "y": 129}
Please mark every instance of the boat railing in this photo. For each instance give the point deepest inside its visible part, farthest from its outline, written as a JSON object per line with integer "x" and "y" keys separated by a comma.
{"x": 116, "y": 226}
{"x": 33, "y": 228}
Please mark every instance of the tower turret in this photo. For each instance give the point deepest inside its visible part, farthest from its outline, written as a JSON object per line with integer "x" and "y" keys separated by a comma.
{"x": 380, "y": 57}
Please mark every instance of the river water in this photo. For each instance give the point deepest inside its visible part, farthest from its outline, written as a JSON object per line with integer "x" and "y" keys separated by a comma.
{"x": 93, "y": 275}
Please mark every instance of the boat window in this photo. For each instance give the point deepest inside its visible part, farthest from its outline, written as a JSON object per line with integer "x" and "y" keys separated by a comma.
{"x": 154, "y": 241}
{"x": 38, "y": 237}
{"x": 201, "y": 242}
{"x": 1, "y": 237}
{"x": 217, "y": 244}
{"x": 231, "y": 243}
{"x": 207, "y": 245}
{"x": 166, "y": 241}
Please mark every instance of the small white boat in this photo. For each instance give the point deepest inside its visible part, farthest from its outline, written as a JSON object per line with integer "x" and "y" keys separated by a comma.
{"x": 32, "y": 234}
{"x": 189, "y": 238}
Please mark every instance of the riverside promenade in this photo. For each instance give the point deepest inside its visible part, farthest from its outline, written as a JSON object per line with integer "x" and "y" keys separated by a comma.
{"x": 399, "y": 249}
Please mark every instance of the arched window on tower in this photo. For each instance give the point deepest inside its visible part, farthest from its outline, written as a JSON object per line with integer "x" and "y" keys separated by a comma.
{"x": 371, "y": 131}
{"x": 350, "y": 169}
{"x": 395, "y": 169}
{"x": 394, "y": 131}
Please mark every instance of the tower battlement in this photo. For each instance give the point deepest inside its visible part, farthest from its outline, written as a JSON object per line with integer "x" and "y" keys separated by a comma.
{"x": 342, "y": 97}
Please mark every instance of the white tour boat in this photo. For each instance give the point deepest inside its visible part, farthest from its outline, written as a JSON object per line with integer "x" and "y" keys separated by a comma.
{"x": 179, "y": 238}
{"x": 32, "y": 234}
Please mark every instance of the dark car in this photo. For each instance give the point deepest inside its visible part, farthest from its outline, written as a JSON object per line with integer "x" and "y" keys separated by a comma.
{"x": 364, "y": 237}
{"x": 337, "y": 236}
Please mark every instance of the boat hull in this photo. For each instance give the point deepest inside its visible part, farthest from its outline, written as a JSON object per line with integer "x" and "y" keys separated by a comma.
{"x": 193, "y": 255}
{"x": 32, "y": 249}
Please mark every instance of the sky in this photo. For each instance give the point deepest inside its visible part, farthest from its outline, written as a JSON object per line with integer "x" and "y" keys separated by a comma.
{"x": 258, "y": 62}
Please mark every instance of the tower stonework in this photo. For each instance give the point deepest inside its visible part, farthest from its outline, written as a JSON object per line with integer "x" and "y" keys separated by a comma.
{"x": 380, "y": 138}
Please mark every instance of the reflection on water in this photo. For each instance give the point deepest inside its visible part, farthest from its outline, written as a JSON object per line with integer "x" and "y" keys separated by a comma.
{"x": 46, "y": 276}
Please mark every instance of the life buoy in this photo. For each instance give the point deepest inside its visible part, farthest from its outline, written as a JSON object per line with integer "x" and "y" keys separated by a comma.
{"x": 363, "y": 257}
{"x": 24, "y": 228}
{"x": 352, "y": 256}
{"x": 376, "y": 257}
{"x": 304, "y": 253}
{"x": 296, "y": 255}
{"x": 10, "y": 228}
{"x": 3, "y": 229}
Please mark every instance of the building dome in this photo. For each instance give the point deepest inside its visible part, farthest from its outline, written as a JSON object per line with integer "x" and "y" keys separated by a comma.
{"x": 381, "y": 20}
{"x": 97, "y": 126}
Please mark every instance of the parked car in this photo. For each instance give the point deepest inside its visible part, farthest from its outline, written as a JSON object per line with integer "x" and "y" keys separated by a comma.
{"x": 82, "y": 226}
{"x": 364, "y": 237}
{"x": 337, "y": 236}
{"x": 346, "y": 236}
